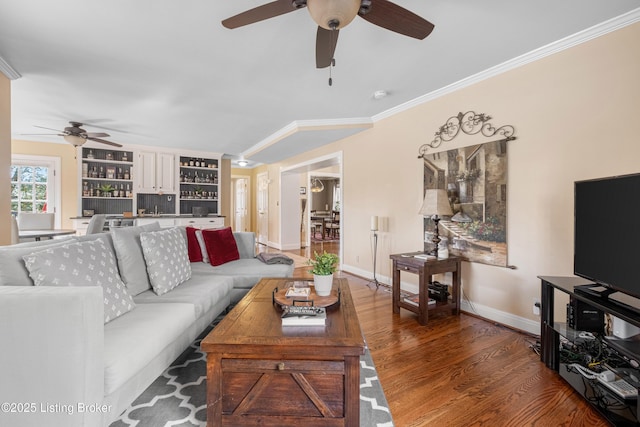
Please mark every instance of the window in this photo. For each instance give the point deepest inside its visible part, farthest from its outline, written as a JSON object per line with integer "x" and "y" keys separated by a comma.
{"x": 34, "y": 184}
{"x": 336, "y": 196}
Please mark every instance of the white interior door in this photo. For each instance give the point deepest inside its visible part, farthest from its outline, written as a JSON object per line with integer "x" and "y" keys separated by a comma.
{"x": 240, "y": 201}
{"x": 262, "y": 207}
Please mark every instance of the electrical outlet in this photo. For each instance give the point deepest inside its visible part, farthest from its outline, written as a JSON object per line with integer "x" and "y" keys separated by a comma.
{"x": 536, "y": 306}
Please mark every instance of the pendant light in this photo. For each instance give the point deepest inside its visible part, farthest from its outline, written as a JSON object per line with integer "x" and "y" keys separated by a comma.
{"x": 316, "y": 185}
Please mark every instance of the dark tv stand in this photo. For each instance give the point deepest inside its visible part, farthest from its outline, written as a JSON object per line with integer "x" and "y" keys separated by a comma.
{"x": 551, "y": 331}
{"x": 594, "y": 290}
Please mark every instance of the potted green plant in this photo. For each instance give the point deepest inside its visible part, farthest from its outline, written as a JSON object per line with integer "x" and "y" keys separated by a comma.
{"x": 106, "y": 190}
{"x": 323, "y": 267}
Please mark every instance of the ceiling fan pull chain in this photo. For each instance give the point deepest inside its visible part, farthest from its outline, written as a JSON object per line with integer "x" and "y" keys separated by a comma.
{"x": 333, "y": 60}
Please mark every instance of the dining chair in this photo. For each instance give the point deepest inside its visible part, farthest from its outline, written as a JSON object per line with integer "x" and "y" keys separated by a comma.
{"x": 15, "y": 233}
{"x": 35, "y": 221}
{"x": 96, "y": 224}
{"x": 333, "y": 226}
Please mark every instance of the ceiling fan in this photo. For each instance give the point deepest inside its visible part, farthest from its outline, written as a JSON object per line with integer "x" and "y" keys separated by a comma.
{"x": 77, "y": 136}
{"x": 332, "y": 15}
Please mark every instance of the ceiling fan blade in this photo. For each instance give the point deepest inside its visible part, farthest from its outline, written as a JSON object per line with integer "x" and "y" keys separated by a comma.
{"x": 97, "y": 135}
{"x": 386, "y": 14}
{"x": 104, "y": 141}
{"x": 42, "y": 127}
{"x": 326, "y": 41}
{"x": 260, "y": 13}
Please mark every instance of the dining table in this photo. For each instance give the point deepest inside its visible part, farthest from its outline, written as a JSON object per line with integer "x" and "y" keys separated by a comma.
{"x": 48, "y": 234}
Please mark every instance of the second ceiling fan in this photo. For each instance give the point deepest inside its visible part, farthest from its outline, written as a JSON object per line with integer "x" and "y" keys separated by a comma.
{"x": 332, "y": 15}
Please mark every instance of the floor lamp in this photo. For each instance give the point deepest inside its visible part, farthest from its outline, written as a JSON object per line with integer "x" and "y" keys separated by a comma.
{"x": 374, "y": 228}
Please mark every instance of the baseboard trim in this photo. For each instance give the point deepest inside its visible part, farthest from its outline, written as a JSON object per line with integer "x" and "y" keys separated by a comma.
{"x": 488, "y": 313}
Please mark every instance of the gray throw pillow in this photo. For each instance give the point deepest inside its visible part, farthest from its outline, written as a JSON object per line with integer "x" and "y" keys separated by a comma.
{"x": 126, "y": 241}
{"x": 203, "y": 247}
{"x": 167, "y": 258}
{"x": 12, "y": 269}
{"x": 89, "y": 263}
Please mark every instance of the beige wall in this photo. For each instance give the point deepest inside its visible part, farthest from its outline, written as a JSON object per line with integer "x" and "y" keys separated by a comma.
{"x": 69, "y": 178}
{"x": 5, "y": 159}
{"x": 574, "y": 114}
{"x": 575, "y": 117}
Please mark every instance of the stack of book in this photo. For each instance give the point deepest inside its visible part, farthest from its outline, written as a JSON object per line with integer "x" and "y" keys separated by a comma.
{"x": 414, "y": 299}
{"x": 296, "y": 315}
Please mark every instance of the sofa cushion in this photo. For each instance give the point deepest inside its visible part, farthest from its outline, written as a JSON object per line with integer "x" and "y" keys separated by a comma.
{"x": 12, "y": 269}
{"x": 221, "y": 245}
{"x": 89, "y": 263}
{"x": 133, "y": 340}
{"x": 247, "y": 272}
{"x": 203, "y": 290}
{"x": 246, "y": 242}
{"x": 165, "y": 253}
{"x": 195, "y": 253}
{"x": 126, "y": 241}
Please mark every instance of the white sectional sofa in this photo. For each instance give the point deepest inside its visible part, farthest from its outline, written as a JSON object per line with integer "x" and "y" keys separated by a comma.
{"x": 62, "y": 365}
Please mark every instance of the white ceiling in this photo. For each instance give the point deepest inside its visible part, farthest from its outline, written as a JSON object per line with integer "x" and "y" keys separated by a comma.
{"x": 167, "y": 73}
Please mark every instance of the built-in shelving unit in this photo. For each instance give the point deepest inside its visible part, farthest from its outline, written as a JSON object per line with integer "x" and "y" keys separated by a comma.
{"x": 106, "y": 180}
{"x": 198, "y": 184}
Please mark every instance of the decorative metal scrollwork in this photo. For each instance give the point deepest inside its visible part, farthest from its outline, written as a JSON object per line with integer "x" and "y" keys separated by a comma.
{"x": 470, "y": 123}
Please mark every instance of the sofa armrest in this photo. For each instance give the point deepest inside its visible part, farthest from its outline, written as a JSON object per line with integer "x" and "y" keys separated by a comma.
{"x": 246, "y": 241}
{"x": 51, "y": 362}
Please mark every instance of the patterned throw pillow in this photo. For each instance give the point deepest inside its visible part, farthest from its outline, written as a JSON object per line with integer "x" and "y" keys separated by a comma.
{"x": 165, "y": 253}
{"x": 88, "y": 263}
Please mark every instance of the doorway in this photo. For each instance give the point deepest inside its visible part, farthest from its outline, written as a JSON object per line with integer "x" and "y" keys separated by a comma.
{"x": 262, "y": 207}
{"x": 295, "y": 185}
{"x": 240, "y": 203}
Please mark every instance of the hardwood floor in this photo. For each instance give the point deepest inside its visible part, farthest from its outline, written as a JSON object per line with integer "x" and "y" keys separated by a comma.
{"x": 459, "y": 371}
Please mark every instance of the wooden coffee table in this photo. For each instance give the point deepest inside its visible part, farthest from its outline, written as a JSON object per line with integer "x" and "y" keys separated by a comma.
{"x": 261, "y": 373}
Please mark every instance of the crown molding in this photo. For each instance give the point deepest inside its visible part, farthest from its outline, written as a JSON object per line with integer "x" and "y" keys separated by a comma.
{"x": 8, "y": 70}
{"x": 580, "y": 37}
{"x": 307, "y": 125}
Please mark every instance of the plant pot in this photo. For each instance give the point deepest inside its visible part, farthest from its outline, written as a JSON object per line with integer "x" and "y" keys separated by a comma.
{"x": 323, "y": 284}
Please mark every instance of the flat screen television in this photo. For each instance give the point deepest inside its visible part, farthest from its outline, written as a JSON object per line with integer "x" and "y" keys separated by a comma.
{"x": 607, "y": 232}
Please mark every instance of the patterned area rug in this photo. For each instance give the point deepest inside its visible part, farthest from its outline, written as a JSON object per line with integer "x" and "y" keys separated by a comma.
{"x": 178, "y": 396}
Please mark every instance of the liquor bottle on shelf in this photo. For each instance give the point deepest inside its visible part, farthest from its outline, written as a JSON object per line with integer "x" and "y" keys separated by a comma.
{"x": 124, "y": 157}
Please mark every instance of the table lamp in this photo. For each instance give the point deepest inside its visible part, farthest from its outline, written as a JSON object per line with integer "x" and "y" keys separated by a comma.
{"x": 436, "y": 203}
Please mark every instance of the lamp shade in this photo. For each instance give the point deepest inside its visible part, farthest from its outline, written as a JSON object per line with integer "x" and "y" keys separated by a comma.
{"x": 340, "y": 12}
{"x": 435, "y": 202}
{"x": 74, "y": 140}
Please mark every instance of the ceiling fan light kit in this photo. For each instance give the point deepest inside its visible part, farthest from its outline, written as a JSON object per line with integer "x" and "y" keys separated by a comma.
{"x": 74, "y": 140}
{"x": 333, "y": 14}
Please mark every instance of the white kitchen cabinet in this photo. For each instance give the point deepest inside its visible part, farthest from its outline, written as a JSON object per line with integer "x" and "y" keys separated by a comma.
{"x": 163, "y": 222}
{"x": 157, "y": 172}
{"x": 202, "y": 222}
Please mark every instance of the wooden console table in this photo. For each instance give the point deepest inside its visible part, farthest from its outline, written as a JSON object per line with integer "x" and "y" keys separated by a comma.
{"x": 425, "y": 269}
{"x": 261, "y": 373}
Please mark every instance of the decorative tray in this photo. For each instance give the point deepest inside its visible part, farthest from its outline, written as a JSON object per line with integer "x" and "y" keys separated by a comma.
{"x": 312, "y": 299}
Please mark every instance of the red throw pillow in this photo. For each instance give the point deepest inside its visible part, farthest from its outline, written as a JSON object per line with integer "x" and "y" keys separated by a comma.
{"x": 195, "y": 254}
{"x": 221, "y": 245}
